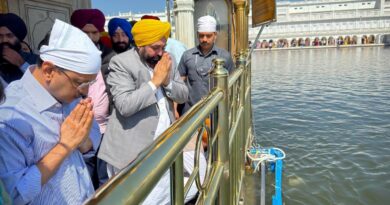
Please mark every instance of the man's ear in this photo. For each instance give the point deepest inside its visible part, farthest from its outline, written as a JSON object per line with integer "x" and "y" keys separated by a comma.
{"x": 48, "y": 70}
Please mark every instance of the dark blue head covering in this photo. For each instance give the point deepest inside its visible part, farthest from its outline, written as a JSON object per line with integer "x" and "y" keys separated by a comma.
{"x": 15, "y": 24}
{"x": 114, "y": 23}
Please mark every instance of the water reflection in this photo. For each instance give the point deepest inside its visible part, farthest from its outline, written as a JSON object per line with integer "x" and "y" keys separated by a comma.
{"x": 329, "y": 109}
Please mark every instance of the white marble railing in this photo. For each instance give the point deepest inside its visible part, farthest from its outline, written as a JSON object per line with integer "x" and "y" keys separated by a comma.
{"x": 321, "y": 33}
{"x": 331, "y": 15}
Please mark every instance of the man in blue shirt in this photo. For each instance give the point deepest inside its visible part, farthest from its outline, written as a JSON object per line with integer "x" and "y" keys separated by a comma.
{"x": 196, "y": 62}
{"x": 43, "y": 130}
{"x": 4, "y": 198}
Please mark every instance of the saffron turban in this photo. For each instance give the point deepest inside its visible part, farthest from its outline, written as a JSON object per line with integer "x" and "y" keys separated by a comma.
{"x": 148, "y": 31}
{"x": 82, "y": 17}
{"x": 72, "y": 49}
{"x": 116, "y": 23}
{"x": 207, "y": 24}
{"x": 15, "y": 24}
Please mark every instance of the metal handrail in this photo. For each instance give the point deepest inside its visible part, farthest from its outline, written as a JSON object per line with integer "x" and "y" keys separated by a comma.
{"x": 158, "y": 156}
{"x": 226, "y": 160}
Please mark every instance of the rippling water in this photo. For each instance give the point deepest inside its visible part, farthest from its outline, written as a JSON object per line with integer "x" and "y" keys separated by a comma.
{"x": 329, "y": 109}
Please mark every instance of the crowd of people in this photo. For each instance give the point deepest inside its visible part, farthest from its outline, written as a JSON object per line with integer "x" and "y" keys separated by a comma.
{"x": 80, "y": 109}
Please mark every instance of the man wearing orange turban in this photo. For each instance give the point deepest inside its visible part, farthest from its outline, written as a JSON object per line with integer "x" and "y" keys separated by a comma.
{"x": 148, "y": 31}
{"x": 143, "y": 83}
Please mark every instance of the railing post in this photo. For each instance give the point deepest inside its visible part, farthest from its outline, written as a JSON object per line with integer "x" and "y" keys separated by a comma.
{"x": 219, "y": 79}
{"x": 240, "y": 64}
{"x": 248, "y": 104}
{"x": 177, "y": 183}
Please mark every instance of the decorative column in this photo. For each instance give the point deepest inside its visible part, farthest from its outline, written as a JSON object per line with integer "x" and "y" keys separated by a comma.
{"x": 184, "y": 22}
{"x": 246, "y": 24}
{"x": 240, "y": 11}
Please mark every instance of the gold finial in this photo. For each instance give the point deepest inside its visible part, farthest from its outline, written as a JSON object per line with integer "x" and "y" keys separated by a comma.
{"x": 241, "y": 59}
{"x": 219, "y": 67}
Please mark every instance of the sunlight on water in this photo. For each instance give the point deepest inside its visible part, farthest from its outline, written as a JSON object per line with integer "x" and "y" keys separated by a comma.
{"x": 329, "y": 109}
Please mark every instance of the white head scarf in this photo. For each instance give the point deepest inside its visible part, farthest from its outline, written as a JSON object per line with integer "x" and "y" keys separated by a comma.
{"x": 207, "y": 24}
{"x": 71, "y": 49}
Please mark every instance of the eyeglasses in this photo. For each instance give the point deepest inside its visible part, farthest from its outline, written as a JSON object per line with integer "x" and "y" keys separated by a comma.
{"x": 80, "y": 86}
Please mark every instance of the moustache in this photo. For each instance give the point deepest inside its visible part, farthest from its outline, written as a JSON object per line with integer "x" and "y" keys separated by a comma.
{"x": 120, "y": 46}
{"x": 15, "y": 47}
{"x": 121, "y": 43}
{"x": 153, "y": 60}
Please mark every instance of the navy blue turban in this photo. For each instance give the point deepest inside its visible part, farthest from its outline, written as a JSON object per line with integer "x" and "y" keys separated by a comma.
{"x": 114, "y": 23}
{"x": 15, "y": 24}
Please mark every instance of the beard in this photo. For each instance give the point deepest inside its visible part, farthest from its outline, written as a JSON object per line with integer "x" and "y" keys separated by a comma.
{"x": 150, "y": 60}
{"x": 16, "y": 47}
{"x": 120, "y": 47}
{"x": 153, "y": 60}
{"x": 204, "y": 44}
{"x": 8, "y": 71}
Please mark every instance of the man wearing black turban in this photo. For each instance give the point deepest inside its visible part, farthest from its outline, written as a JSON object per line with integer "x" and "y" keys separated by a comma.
{"x": 13, "y": 61}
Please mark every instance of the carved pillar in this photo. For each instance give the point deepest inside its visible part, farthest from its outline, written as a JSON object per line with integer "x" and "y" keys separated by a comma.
{"x": 240, "y": 11}
{"x": 246, "y": 24}
{"x": 184, "y": 21}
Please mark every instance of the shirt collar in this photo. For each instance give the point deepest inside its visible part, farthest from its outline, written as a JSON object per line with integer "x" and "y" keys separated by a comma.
{"x": 213, "y": 50}
{"x": 39, "y": 95}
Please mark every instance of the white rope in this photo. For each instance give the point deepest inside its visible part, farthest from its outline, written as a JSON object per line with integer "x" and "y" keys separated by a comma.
{"x": 263, "y": 154}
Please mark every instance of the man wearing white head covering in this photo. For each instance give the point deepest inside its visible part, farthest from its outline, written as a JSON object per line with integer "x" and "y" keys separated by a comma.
{"x": 196, "y": 63}
{"x": 45, "y": 126}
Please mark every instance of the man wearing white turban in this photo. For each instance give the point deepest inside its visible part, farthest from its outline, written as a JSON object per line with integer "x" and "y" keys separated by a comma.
{"x": 45, "y": 126}
{"x": 196, "y": 63}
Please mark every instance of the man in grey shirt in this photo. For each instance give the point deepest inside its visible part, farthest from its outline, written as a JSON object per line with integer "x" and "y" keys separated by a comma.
{"x": 196, "y": 63}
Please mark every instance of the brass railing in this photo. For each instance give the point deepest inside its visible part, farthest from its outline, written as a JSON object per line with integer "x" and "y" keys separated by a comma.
{"x": 229, "y": 107}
